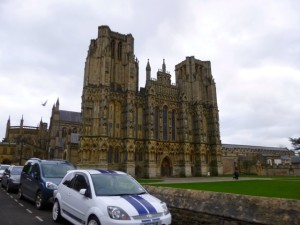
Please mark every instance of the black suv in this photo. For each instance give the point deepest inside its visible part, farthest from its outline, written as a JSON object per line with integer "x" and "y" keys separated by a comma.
{"x": 40, "y": 177}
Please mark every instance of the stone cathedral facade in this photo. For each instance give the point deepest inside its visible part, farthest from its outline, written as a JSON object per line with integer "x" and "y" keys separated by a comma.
{"x": 163, "y": 129}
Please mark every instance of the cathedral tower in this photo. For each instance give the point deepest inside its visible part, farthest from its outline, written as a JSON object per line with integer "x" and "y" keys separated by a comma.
{"x": 163, "y": 129}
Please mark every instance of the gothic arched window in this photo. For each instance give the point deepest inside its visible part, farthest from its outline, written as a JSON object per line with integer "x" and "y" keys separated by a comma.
{"x": 113, "y": 49}
{"x": 173, "y": 125}
{"x": 156, "y": 123}
{"x": 116, "y": 159}
{"x": 165, "y": 123}
{"x": 64, "y": 132}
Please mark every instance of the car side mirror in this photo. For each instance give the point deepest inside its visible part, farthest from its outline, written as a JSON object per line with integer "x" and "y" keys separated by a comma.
{"x": 85, "y": 192}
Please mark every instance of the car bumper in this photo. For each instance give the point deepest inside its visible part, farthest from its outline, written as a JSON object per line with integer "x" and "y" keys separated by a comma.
{"x": 165, "y": 220}
{"x": 14, "y": 186}
{"x": 48, "y": 196}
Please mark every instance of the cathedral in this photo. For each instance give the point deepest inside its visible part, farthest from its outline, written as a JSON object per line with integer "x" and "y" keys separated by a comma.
{"x": 162, "y": 129}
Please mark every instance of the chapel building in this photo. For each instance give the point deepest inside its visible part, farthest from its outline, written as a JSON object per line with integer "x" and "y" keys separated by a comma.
{"x": 163, "y": 129}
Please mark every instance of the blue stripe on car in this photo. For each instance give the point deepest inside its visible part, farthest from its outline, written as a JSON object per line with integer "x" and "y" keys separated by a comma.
{"x": 107, "y": 171}
{"x": 137, "y": 205}
{"x": 145, "y": 203}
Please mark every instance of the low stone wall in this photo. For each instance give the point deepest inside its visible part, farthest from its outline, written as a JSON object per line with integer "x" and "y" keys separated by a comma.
{"x": 190, "y": 207}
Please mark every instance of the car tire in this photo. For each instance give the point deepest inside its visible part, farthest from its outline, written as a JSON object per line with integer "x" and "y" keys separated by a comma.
{"x": 56, "y": 216}
{"x": 20, "y": 195}
{"x": 93, "y": 220}
{"x": 39, "y": 203}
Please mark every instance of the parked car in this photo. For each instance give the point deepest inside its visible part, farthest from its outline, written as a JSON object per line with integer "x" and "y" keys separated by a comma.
{"x": 11, "y": 178}
{"x": 2, "y": 168}
{"x": 95, "y": 197}
{"x": 40, "y": 177}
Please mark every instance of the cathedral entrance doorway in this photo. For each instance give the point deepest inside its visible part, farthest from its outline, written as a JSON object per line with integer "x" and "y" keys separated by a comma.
{"x": 166, "y": 167}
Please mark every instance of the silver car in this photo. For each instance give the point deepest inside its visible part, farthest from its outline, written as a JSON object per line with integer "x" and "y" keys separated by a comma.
{"x": 2, "y": 168}
{"x": 11, "y": 178}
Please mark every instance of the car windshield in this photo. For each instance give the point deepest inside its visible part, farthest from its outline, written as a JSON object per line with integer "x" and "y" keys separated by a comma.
{"x": 16, "y": 171}
{"x": 58, "y": 170}
{"x": 116, "y": 185}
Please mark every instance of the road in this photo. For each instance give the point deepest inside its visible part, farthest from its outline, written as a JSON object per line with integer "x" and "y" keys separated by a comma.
{"x": 22, "y": 212}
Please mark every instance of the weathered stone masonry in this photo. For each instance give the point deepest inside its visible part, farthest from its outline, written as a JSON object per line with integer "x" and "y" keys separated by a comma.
{"x": 190, "y": 207}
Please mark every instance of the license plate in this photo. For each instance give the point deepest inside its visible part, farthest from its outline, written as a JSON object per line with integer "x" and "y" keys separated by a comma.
{"x": 151, "y": 223}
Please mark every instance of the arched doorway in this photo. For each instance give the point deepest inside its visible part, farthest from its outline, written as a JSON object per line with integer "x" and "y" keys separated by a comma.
{"x": 166, "y": 167}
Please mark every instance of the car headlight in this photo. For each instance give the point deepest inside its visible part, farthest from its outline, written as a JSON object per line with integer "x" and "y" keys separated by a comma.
{"x": 117, "y": 213}
{"x": 51, "y": 185}
{"x": 165, "y": 208}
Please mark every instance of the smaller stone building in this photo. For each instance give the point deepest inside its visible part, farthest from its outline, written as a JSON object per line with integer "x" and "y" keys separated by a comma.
{"x": 24, "y": 142}
{"x": 253, "y": 159}
{"x": 64, "y": 134}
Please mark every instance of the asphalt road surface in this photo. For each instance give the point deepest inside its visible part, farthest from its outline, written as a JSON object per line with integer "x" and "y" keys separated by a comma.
{"x": 22, "y": 212}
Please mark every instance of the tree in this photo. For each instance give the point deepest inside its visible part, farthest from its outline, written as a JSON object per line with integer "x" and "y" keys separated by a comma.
{"x": 296, "y": 144}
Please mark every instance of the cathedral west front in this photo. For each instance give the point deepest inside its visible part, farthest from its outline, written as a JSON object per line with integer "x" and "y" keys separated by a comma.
{"x": 162, "y": 129}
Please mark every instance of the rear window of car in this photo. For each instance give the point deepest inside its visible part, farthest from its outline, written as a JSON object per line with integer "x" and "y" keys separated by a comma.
{"x": 16, "y": 171}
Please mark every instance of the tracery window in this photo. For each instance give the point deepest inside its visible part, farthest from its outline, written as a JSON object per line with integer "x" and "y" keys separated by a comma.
{"x": 165, "y": 123}
{"x": 113, "y": 49}
{"x": 156, "y": 123}
{"x": 116, "y": 158}
{"x": 173, "y": 125}
{"x": 64, "y": 132}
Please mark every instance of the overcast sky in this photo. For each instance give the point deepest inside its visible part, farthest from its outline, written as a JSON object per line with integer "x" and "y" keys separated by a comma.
{"x": 253, "y": 46}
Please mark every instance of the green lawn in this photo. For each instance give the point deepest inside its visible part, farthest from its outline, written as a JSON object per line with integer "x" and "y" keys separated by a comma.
{"x": 277, "y": 187}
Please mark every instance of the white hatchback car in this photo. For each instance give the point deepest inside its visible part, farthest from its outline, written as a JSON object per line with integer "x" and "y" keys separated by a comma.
{"x": 106, "y": 197}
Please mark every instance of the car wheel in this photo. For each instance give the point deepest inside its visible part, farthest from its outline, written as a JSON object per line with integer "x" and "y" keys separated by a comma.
{"x": 39, "y": 204}
{"x": 20, "y": 195}
{"x": 94, "y": 221}
{"x": 56, "y": 216}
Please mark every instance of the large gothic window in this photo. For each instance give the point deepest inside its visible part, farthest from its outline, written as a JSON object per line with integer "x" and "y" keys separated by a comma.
{"x": 173, "y": 125}
{"x": 113, "y": 49}
{"x": 156, "y": 123}
{"x": 140, "y": 122}
{"x": 111, "y": 120}
{"x": 117, "y": 119}
{"x": 116, "y": 159}
{"x": 165, "y": 123}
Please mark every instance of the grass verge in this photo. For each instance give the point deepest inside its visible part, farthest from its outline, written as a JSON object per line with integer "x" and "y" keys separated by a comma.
{"x": 276, "y": 188}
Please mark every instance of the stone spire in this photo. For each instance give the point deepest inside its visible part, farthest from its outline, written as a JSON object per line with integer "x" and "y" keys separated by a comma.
{"x": 22, "y": 122}
{"x": 164, "y": 66}
{"x": 148, "y": 71}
